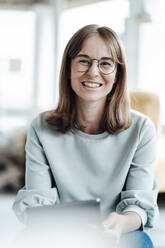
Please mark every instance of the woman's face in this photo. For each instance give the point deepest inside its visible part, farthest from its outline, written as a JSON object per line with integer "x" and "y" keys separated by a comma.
{"x": 92, "y": 85}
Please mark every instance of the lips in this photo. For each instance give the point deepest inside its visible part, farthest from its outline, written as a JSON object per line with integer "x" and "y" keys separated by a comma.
{"x": 91, "y": 84}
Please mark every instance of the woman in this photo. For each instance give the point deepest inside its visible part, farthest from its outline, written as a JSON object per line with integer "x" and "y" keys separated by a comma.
{"x": 92, "y": 144}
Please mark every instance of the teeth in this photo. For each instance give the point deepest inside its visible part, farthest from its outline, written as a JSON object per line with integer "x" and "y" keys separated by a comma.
{"x": 93, "y": 85}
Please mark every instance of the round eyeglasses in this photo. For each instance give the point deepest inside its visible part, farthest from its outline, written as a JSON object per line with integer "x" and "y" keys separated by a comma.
{"x": 105, "y": 65}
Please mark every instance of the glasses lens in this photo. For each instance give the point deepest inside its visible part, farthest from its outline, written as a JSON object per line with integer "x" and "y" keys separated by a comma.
{"x": 106, "y": 66}
{"x": 82, "y": 64}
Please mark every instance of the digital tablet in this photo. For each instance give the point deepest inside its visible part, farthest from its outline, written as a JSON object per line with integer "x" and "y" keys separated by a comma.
{"x": 69, "y": 214}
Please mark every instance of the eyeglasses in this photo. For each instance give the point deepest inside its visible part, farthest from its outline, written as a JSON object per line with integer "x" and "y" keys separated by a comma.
{"x": 105, "y": 65}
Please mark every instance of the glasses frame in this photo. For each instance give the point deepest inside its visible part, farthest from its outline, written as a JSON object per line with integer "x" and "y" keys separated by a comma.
{"x": 98, "y": 64}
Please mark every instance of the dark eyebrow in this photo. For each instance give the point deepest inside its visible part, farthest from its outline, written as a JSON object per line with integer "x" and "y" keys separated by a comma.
{"x": 107, "y": 58}
{"x": 86, "y": 56}
{"x": 83, "y": 55}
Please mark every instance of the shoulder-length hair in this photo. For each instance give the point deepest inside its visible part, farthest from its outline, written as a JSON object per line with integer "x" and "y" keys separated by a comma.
{"x": 116, "y": 116}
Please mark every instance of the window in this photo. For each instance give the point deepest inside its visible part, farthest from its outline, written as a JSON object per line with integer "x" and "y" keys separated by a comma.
{"x": 16, "y": 65}
{"x": 109, "y": 13}
{"x": 152, "y": 53}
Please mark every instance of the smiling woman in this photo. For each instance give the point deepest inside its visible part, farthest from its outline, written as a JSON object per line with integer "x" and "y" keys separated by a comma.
{"x": 109, "y": 149}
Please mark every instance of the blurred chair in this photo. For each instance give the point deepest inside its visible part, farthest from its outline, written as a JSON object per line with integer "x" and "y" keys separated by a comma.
{"x": 149, "y": 104}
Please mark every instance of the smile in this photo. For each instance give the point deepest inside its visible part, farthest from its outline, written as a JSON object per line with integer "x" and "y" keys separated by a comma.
{"x": 91, "y": 85}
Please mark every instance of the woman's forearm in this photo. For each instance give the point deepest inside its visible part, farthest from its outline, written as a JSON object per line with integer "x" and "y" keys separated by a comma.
{"x": 131, "y": 222}
{"x": 122, "y": 223}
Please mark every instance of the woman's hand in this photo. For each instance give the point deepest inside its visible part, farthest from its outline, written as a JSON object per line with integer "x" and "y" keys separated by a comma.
{"x": 117, "y": 224}
{"x": 113, "y": 226}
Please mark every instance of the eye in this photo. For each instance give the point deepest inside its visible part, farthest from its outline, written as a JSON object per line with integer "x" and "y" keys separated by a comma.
{"x": 106, "y": 63}
{"x": 84, "y": 62}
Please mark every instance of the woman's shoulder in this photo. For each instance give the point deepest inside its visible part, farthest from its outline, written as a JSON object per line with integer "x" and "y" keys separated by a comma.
{"x": 39, "y": 122}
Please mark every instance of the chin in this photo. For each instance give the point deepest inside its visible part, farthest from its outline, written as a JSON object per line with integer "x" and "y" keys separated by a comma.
{"x": 92, "y": 98}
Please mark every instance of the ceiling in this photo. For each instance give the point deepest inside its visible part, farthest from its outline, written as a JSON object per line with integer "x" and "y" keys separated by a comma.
{"x": 29, "y": 3}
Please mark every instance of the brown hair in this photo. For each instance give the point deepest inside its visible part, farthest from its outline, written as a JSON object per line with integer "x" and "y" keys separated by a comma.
{"x": 117, "y": 109}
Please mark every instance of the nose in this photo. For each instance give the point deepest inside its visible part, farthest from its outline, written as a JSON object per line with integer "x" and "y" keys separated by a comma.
{"x": 93, "y": 69}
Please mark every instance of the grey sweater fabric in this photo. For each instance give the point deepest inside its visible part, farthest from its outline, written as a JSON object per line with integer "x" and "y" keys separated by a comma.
{"x": 118, "y": 169}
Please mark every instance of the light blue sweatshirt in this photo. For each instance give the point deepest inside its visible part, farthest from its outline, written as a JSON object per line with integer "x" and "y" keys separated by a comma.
{"x": 118, "y": 169}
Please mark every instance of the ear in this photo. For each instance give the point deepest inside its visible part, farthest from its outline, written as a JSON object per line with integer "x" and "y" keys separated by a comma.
{"x": 114, "y": 82}
{"x": 115, "y": 79}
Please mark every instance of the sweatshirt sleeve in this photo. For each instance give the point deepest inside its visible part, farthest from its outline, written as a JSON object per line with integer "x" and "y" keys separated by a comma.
{"x": 141, "y": 190}
{"x": 38, "y": 190}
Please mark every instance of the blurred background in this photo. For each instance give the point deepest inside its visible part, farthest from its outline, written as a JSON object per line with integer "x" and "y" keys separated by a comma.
{"x": 33, "y": 35}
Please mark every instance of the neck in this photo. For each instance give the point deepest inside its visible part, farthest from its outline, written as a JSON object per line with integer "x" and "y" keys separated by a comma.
{"x": 89, "y": 115}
